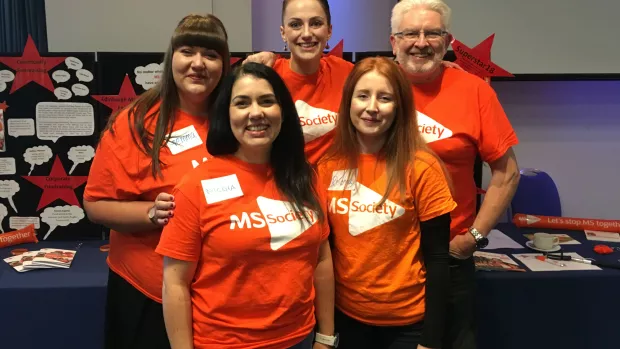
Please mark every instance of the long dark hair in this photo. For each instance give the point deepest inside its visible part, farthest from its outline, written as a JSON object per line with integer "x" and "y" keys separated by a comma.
{"x": 193, "y": 30}
{"x": 294, "y": 177}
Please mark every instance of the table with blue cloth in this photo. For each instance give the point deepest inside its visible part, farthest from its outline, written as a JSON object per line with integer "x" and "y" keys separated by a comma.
{"x": 551, "y": 309}
{"x": 65, "y": 308}
{"x": 54, "y": 308}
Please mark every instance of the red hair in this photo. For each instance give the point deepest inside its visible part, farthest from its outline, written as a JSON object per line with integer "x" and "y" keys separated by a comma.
{"x": 402, "y": 139}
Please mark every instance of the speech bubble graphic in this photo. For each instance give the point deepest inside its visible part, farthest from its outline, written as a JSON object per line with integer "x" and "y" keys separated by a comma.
{"x": 7, "y": 166}
{"x": 84, "y": 75}
{"x": 2, "y": 86}
{"x": 61, "y": 216}
{"x": 80, "y": 155}
{"x": 61, "y": 76}
{"x": 149, "y": 76}
{"x": 3, "y": 213}
{"x": 37, "y": 156}
{"x": 22, "y": 222}
{"x": 20, "y": 127}
{"x": 58, "y": 119}
{"x": 62, "y": 93}
{"x": 6, "y": 76}
{"x": 8, "y": 188}
{"x": 80, "y": 90}
{"x": 73, "y": 63}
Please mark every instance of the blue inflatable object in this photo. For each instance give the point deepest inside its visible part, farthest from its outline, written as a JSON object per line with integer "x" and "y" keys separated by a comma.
{"x": 536, "y": 194}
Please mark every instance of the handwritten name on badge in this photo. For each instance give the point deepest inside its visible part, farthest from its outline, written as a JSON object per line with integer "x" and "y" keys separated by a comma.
{"x": 184, "y": 139}
{"x": 222, "y": 188}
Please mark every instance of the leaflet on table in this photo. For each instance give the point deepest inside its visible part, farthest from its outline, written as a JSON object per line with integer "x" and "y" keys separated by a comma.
{"x": 594, "y": 235}
{"x": 495, "y": 262}
{"x": 534, "y": 264}
{"x": 42, "y": 259}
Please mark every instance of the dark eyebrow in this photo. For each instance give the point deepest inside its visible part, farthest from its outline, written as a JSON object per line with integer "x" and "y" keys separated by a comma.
{"x": 268, "y": 95}
{"x": 312, "y": 18}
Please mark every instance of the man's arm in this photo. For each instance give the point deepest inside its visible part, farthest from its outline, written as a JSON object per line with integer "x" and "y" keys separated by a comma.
{"x": 504, "y": 181}
{"x": 177, "y": 303}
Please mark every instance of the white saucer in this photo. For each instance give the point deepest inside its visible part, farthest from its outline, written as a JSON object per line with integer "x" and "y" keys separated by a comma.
{"x": 530, "y": 244}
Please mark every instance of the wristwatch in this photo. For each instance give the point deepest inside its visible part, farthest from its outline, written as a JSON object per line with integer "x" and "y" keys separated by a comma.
{"x": 332, "y": 341}
{"x": 481, "y": 240}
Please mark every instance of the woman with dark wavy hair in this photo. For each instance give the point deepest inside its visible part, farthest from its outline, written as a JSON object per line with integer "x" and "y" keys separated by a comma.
{"x": 247, "y": 263}
{"x": 144, "y": 151}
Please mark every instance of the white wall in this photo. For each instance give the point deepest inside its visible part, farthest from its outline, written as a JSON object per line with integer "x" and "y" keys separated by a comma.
{"x": 543, "y": 36}
{"x": 136, "y": 25}
{"x": 364, "y": 25}
{"x": 570, "y": 130}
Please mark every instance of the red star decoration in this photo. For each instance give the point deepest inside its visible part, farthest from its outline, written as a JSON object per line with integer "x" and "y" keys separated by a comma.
{"x": 477, "y": 60}
{"x": 337, "y": 50}
{"x": 125, "y": 96}
{"x": 4, "y": 106}
{"x": 31, "y": 67}
{"x": 57, "y": 185}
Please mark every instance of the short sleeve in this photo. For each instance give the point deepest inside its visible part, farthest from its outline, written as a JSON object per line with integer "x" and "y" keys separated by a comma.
{"x": 431, "y": 190}
{"x": 181, "y": 238}
{"x": 496, "y": 132}
{"x": 108, "y": 178}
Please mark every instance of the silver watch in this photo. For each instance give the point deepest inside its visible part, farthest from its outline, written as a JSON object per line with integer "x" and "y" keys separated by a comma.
{"x": 332, "y": 341}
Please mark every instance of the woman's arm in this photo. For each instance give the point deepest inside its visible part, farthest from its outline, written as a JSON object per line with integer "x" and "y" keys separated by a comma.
{"x": 177, "y": 302}
{"x": 324, "y": 285}
{"x": 435, "y": 249}
{"x": 131, "y": 216}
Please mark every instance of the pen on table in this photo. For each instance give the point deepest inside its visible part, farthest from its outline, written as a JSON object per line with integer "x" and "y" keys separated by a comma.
{"x": 584, "y": 261}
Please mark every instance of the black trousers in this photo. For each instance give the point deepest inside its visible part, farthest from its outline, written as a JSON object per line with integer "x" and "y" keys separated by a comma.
{"x": 357, "y": 335}
{"x": 461, "y": 329}
{"x": 133, "y": 321}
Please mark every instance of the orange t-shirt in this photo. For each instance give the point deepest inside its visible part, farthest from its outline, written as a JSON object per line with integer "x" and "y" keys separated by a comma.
{"x": 120, "y": 171}
{"x": 378, "y": 263}
{"x": 317, "y": 99}
{"x": 253, "y": 287}
{"x": 460, "y": 116}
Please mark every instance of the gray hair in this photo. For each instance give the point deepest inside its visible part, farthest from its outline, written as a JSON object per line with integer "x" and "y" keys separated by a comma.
{"x": 401, "y": 8}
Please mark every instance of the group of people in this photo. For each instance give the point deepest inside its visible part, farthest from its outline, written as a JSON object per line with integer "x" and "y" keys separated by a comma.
{"x": 301, "y": 202}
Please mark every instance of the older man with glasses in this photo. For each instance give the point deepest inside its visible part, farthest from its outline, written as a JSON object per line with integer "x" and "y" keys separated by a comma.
{"x": 460, "y": 117}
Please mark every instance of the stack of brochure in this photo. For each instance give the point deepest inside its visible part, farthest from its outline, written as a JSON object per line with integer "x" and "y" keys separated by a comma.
{"x": 45, "y": 258}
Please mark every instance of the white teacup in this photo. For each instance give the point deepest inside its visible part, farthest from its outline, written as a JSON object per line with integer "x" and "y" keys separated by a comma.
{"x": 545, "y": 241}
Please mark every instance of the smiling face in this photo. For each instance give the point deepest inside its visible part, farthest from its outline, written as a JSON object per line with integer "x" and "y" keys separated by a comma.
{"x": 196, "y": 71}
{"x": 305, "y": 29}
{"x": 421, "y": 42}
{"x": 255, "y": 118}
{"x": 372, "y": 111}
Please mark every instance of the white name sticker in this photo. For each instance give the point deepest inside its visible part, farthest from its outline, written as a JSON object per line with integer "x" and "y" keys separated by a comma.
{"x": 222, "y": 188}
{"x": 184, "y": 139}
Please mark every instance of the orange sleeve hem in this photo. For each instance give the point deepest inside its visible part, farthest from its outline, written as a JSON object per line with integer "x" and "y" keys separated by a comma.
{"x": 176, "y": 254}
{"x": 446, "y": 209}
{"x": 502, "y": 151}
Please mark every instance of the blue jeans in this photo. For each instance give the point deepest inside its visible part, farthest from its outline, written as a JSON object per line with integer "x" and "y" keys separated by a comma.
{"x": 306, "y": 343}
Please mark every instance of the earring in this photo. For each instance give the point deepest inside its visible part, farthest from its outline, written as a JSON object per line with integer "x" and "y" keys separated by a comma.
{"x": 285, "y": 46}
{"x": 327, "y": 46}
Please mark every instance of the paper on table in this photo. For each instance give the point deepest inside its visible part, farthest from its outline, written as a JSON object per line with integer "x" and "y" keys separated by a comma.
{"x": 530, "y": 261}
{"x": 497, "y": 239}
{"x": 602, "y": 236}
